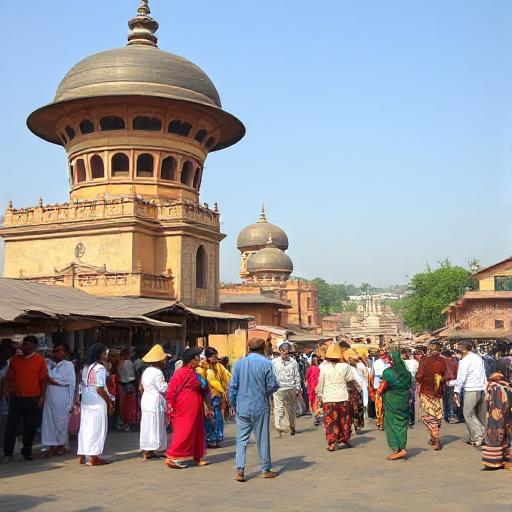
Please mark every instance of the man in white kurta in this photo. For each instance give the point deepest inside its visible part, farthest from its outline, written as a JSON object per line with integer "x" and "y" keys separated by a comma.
{"x": 59, "y": 397}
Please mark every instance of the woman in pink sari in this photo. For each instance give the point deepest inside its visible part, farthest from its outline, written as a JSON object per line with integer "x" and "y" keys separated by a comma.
{"x": 186, "y": 399}
{"x": 312, "y": 375}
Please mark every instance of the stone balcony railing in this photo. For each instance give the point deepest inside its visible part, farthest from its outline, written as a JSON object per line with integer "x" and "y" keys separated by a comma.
{"x": 102, "y": 208}
{"x": 136, "y": 284}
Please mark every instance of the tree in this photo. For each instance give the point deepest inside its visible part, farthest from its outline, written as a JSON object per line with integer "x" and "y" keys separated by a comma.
{"x": 429, "y": 294}
{"x": 330, "y": 296}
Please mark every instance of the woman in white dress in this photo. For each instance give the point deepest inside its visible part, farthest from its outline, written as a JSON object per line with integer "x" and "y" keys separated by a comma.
{"x": 153, "y": 424}
{"x": 95, "y": 405}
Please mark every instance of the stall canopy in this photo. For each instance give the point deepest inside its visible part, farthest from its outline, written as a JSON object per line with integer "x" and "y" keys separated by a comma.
{"x": 25, "y": 305}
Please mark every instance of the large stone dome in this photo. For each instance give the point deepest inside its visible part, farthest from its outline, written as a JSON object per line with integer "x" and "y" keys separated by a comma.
{"x": 270, "y": 259}
{"x": 255, "y": 236}
{"x": 142, "y": 70}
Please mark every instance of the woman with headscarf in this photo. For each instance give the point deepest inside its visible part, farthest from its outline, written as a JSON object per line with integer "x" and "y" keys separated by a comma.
{"x": 496, "y": 453}
{"x": 332, "y": 392}
{"x": 187, "y": 396}
{"x": 394, "y": 388}
{"x": 351, "y": 357}
{"x": 95, "y": 404}
{"x": 153, "y": 432}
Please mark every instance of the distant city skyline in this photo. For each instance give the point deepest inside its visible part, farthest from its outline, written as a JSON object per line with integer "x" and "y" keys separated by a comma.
{"x": 379, "y": 136}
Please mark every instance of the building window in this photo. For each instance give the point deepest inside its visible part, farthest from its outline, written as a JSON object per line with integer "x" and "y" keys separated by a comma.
{"x": 308, "y": 300}
{"x": 186, "y": 172}
{"x": 499, "y": 324}
{"x": 168, "y": 171}
{"x": 71, "y": 174}
{"x": 210, "y": 143}
{"x": 145, "y": 163}
{"x": 197, "y": 178}
{"x": 201, "y": 268}
{"x": 112, "y": 123}
{"x": 97, "y": 167}
{"x": 70, "y": 132}
{"x": 81, "y": 175}
{"x": 503, "y": 283}
{"x": 63, "y": 137}
{"x": 200, "y": 136}
{"x": 86, "y": 127}
{"x": 147, "y": 123}
{"x": 180, "y": 128}
{"x": 120, "y": 165}
{"x": 310, "y": 320}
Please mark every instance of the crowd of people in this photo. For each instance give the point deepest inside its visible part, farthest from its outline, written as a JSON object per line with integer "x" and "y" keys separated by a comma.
{"x": 194, "y": 395}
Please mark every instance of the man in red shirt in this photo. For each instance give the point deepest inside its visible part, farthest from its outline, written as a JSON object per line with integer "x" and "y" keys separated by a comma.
{"x": 26, "y": 379}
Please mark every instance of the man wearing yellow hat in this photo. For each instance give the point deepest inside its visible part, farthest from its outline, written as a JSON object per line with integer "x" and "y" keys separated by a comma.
{"x": 153, "y": 424}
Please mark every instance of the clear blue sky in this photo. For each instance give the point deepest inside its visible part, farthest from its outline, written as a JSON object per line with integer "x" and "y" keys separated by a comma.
{"x": 379, "y": 134}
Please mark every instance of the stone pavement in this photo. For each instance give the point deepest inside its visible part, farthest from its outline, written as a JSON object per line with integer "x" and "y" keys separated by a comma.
{"x": 358, "y": 479}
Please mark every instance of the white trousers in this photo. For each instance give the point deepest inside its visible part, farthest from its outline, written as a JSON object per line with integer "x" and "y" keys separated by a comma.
{"x": 285, "y": 400}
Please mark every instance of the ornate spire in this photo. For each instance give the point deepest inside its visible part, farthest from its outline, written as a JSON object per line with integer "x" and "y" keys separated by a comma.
{"x": 143, "y": 26}
{"x": 263, "y": 217}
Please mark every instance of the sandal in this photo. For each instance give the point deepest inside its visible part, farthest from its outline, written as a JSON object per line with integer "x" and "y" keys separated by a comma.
{"x": 175, "y": 464}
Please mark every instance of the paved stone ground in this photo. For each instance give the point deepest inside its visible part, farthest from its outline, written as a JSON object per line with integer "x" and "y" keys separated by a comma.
{"x": 311, "y": 478}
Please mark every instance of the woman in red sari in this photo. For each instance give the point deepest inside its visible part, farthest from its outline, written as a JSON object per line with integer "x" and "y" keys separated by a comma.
{"x": 186, "y": 398}
{"x": 312, "y": 374}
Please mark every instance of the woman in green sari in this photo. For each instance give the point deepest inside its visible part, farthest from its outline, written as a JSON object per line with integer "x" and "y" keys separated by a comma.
{"x": 395, "y": 385}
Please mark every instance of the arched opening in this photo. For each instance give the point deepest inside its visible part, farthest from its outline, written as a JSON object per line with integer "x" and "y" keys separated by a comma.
{"x": 147, "y": 123}
{"x": 63, "y": 137}
{"x": 168, "y": 170}
{"x": 97, "y": 167}
{"x": 201, "y": 268}
{"x": 186, "y": 173}
{"x": 86, "y": 127}
{"x": 70, "y": 132}
{"x": 145, "y": 163}
{"x": 200, "y": 136}
{"x": 197, "y": 178}
{"x": 81, "y": 175}
{"x": 109, "y": 123}
{"x": 71, "y": 174}
{"x": 180, "y": 128}
{"x": 210, "y": 143}
{"x": 120, "y": 165}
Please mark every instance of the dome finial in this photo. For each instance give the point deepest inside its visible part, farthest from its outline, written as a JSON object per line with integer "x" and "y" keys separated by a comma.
{"x": 263, "y": 217}
{"x": 143, "y": 26}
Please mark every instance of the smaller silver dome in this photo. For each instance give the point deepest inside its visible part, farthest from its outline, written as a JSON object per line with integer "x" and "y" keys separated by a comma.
{"x": 269, "y": 259}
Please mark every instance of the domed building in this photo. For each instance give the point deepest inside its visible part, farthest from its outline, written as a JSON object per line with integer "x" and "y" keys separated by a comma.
{"x": 137, "y": 124}
{"x": 265, "y": 271}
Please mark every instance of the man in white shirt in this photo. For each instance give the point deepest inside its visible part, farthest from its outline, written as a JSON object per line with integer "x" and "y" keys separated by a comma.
{"x": 412, "y": 365}
{"x": 471, "y": 377}
{"x": 287, "y": 375}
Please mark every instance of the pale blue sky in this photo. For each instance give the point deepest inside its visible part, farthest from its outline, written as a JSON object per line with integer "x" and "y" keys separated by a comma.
{"x": 379, "y": 134}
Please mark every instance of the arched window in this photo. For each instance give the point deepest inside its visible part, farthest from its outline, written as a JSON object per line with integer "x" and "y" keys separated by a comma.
{"x": 70, "y": 132}
{"x": 112, "y": 123}
{"x": 180, "y": 128}
{"x": 186, "y": 173}
{"x": 145, "y": 163}
{"x": 197, "y": 178}
{"x": 210, "y": 143}
{"x": 200, "y": 136}
{"x": 81, "y": 175}
{"x": 201, "y": 268}
{"x": 120, "y": 165}
{"x": 71, "y": 174}
{"x": 97, "y": 167}
{"x": 86, "y": 127}
{"x": 147, "y": 123}
{"x": 63, "y": 137}
{"x": 168, "y": 171}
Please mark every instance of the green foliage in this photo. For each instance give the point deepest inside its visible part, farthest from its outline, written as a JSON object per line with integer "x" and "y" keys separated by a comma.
{"x": 330, "y": 296}
{"x": 430, "y": 292}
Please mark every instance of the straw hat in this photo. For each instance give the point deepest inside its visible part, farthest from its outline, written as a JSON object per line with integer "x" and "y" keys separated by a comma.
{"x": 350, "y": 355}
{"x": 334, "y": 351}
{"x": 155, "y": 355}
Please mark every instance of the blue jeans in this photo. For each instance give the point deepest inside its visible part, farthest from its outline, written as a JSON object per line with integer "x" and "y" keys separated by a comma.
{"x": 259, "y": 423}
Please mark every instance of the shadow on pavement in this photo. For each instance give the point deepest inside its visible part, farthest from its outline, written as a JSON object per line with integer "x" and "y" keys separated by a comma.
{"x": 215, "y": 457}
{"x": 449, "y": 439}
{"x": 360, "y": 439}
{"x": 17, "y": 502}
{"x": 292, "y": 464}
{"x": 412, "y": 452}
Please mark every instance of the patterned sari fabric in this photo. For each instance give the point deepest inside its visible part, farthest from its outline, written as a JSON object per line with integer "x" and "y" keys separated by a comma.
{"x": 379, "y": 412}
{"x": 128, "y": 404}
{"x": 215, "y": 426}
{"x": 496, "y": 452}
{"x": 356, "y": 407}
{"x": 432, "y": 414}
{"x": 337, "y": 422}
